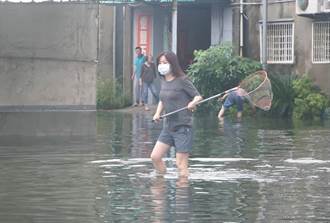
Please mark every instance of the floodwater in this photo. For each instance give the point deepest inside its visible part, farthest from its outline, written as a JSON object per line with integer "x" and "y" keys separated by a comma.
{"x": 94, "y": 167}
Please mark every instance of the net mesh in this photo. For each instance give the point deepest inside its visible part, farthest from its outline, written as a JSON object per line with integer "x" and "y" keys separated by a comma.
{"x": 259, "y": 89}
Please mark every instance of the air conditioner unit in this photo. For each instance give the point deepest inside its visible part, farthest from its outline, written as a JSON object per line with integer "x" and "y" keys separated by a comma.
{"x": 326, "y": 6}
{"x": 310, "y": 7}
{"x": 306, "y": 7}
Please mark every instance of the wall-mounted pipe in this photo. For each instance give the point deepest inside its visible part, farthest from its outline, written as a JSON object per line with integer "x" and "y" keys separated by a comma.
{"x": 114, "y": 29}
{"x": 241, "y": 29}
{"x": 174, "y": 25}
{"x": 264, "y": 34}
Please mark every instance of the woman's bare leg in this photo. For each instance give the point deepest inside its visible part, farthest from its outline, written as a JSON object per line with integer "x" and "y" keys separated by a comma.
{"x": 182, "y": 164}
{"x": 157, "y": 154}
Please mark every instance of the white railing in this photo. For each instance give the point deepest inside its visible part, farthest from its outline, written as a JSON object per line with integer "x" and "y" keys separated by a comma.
{"x": 321, "y": 42}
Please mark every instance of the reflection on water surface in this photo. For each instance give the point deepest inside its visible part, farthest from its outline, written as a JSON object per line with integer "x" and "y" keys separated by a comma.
{"x": 95, "y": 167}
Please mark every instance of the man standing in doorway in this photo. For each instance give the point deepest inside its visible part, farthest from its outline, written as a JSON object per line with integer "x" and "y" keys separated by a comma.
{"x": 136, "y": 76}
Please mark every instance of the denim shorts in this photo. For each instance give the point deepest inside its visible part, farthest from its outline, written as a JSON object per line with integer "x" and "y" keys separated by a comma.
{"x": 232, "y": 99}
{"x": 181, "y": 138}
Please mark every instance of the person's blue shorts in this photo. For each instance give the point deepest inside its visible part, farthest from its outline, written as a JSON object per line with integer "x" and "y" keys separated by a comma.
{"x": 181, "y": 138}
{"x": 232, "y": 99}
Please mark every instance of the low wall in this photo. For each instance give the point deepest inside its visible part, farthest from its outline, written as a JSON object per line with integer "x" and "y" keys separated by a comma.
{"x": 48, "y": 55}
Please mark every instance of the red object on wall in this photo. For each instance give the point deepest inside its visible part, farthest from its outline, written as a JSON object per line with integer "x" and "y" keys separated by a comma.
{"x": 144, "y": 30}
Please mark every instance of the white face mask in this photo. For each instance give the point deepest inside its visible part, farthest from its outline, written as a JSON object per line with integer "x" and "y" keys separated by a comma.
{"x": 164, "y": 68}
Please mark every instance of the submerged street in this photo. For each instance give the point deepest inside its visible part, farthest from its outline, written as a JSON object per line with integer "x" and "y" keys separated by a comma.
{"x": 95, "y": 167}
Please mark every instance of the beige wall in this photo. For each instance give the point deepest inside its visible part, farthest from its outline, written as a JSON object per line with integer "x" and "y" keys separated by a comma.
{"x": 46, "y": 83}
{"x": 127, "y": 51}
{"x": 303, "y": 42}
{"x": 105, "y": 63}
{"x": 48, "y": 55}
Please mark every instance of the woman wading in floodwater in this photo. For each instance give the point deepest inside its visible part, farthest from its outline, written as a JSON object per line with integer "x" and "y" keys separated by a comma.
{"x": 177, "y": 91}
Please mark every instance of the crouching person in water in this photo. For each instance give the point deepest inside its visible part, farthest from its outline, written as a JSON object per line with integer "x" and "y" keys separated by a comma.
{"x": 176, "y": 92}
{"x": 237, "y": 96}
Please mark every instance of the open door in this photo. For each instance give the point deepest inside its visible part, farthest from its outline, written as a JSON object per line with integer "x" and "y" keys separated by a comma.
{"x": 194, "y": 31}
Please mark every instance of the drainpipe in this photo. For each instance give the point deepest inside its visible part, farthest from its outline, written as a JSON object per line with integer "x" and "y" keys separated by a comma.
{"x": 174, "y": 25}
{"x": 98, "y": 34}
{"x": 114, "y": 29}
{"x": 264, "y": 34}
{"x": 241, "y": 43}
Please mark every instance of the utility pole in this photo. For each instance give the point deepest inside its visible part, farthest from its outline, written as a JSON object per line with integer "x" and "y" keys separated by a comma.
{"x": 174, "y": 25}
{"x": 264, "y": 34}
{"x": 241, "y": 29}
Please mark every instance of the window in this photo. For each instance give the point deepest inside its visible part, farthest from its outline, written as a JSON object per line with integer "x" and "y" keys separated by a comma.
{"x": 321, "y": 42}
{"x": 280, "y": 42}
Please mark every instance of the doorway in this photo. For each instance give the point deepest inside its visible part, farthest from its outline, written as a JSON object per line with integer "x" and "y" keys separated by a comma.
{"x": 194, "y": 31}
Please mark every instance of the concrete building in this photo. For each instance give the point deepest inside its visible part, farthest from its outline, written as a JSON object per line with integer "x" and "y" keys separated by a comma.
{"x": 199, "y": 24}
{"x": 298, "y": 36}
{"x": 48, "y": 56}
{"x": 52, "y": 53}
{"x": 298, "y": 32}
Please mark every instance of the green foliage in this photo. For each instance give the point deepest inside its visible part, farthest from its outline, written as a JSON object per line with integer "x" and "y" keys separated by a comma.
{"x": 283, "y": 94}
{"x": 218, "y": 69}
{"x": 110, "y": 96}
{"x": 296, "y": 96}
{"x": 309, "y": 102}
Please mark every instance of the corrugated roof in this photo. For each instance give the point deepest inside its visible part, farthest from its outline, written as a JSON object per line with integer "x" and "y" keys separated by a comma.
{"x": 164, "y": 1}
{"x": 121, "y": 1}
{"x": 134, "y": 1}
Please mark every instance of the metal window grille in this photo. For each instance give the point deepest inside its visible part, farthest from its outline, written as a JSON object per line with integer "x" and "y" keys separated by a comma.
{"x": 326, "y": 5}
{"x": 280, "y": 42}
{"x": 321, "y": 42}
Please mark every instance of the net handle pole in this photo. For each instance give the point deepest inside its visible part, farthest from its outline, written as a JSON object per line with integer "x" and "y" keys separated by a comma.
{"x": 200, "y": 102}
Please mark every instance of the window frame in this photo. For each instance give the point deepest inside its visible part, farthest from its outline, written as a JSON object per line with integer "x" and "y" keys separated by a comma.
{"x": 326, "y": 60}
{"x": 279, "y": 22}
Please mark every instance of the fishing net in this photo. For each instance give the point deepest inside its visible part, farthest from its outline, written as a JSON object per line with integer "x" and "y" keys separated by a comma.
{"x": 258, "y": 89}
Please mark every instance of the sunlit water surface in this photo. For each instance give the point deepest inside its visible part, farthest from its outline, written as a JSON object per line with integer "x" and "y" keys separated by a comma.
{"x": 95, "y": 167}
